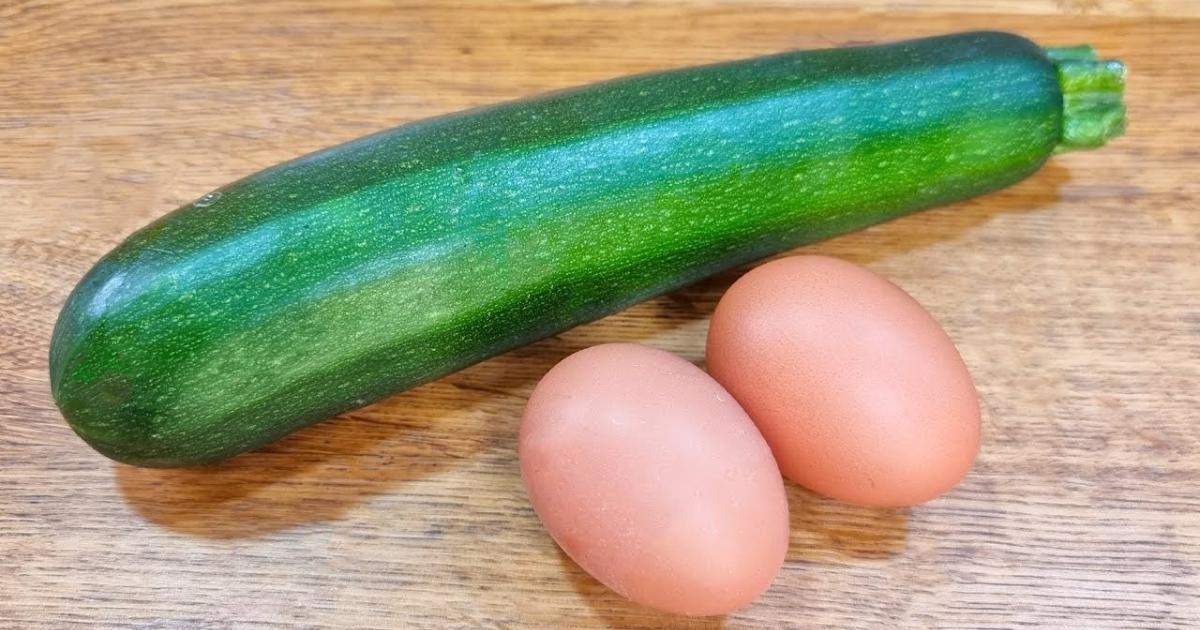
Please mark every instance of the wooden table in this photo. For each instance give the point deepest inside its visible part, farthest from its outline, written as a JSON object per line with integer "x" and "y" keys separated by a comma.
{"x": 1074, "y": 297}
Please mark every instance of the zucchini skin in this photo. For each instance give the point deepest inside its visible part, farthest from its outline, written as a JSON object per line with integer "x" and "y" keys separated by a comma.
{"x": 334, "y": 280}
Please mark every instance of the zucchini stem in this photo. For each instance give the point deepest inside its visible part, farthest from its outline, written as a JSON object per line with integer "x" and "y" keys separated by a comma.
{"x": 1092, "y": 89}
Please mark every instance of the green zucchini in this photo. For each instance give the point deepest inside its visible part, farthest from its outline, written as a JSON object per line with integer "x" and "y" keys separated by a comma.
{"x": 331, "y": 281}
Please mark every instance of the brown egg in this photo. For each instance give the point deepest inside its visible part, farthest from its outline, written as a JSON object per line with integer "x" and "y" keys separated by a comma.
{"x": 652, "y": 478}
{"x": 860, "y": 393}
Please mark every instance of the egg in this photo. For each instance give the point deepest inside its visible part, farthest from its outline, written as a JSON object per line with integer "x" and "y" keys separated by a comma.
{"x": 653, "y": 479}
{"x": 858, "y": 390}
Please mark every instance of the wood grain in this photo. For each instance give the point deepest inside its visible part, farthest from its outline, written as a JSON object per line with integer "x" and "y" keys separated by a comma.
{"x": 1072, "y": 296}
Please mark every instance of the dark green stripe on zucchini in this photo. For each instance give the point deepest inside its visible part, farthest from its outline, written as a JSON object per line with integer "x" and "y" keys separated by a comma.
{"x": 334, "y": 280}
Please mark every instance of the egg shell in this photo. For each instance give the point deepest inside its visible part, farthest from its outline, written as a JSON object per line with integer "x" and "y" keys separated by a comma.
{"x": 654, "y": 480}
{"x": 860, "y": 393}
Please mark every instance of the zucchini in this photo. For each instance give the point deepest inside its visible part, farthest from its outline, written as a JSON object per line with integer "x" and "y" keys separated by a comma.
{"x": 331, "y": 281}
